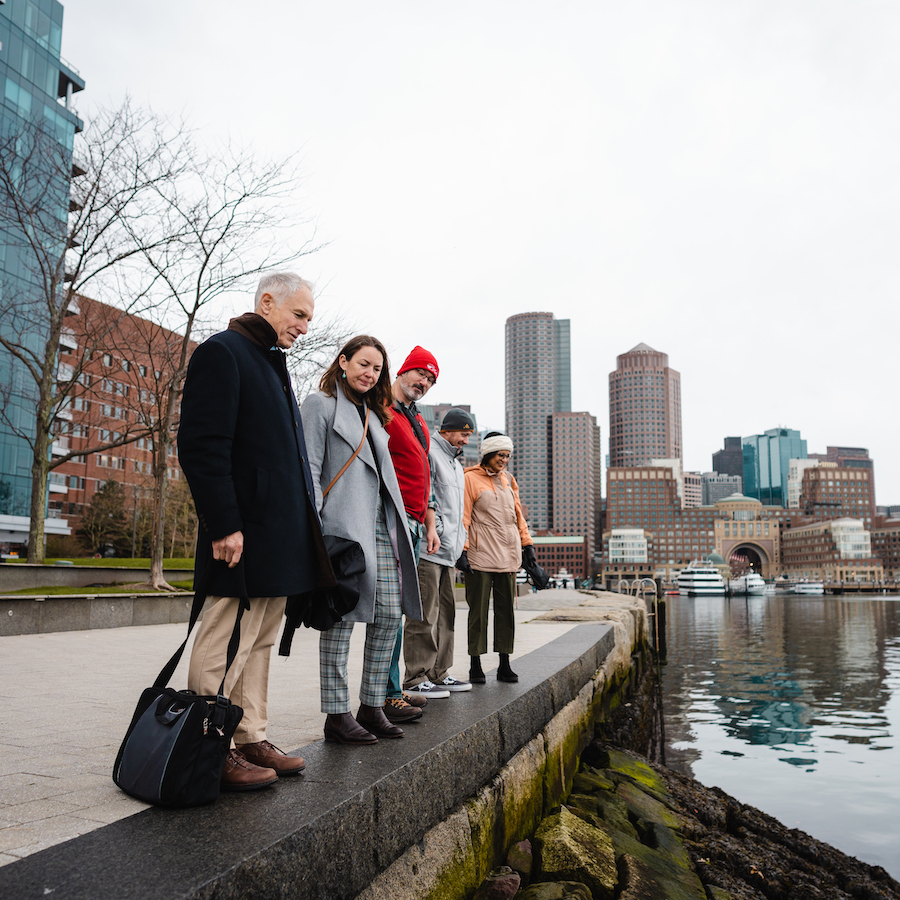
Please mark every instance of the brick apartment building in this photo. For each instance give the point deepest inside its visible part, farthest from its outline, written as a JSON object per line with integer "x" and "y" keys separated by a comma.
{"x": 127, "y": 360}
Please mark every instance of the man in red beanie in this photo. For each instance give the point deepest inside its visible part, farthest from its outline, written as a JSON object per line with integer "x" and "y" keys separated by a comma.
{"x": 408, "y": 445}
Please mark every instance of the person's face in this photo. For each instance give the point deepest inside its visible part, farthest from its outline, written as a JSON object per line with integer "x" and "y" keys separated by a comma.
{"x": 498, "y": 462}
{"x": 414, "y": 384}
{"x": 456, "y": 438}
{"x": 363, "y": 369}
{"x": 290, "y": 318}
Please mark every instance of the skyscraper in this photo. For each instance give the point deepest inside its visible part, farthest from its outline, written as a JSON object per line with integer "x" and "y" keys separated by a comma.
{"x": 538, "y": 384}
{"x": 644, "y": 409}
{"x": 37, "y": 92}
{"x": 576, "y": 471}
{"x": 767, "y": 464}
{"x": 729, "y": 460}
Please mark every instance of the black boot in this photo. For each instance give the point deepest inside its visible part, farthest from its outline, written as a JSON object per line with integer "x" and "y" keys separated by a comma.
{"x": 476, "y": 674}
{"x": 505, "y": 673}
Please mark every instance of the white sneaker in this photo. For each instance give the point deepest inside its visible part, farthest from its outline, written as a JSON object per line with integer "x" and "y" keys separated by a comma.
{"x": 430, "y": 690}
{"x": 456, "y": 684}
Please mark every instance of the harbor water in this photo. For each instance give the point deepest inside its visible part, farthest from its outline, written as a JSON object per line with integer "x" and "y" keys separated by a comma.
{"x": 792, "y": 704}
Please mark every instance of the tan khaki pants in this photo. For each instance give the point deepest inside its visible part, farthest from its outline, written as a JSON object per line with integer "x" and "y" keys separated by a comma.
{"x": 247, "y": 683}
{"x": 428, "y": 645}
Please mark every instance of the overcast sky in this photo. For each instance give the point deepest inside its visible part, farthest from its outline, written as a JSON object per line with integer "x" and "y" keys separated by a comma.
{"x": 716, "y": 179}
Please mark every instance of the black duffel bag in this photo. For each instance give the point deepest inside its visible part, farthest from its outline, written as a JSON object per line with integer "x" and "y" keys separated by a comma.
{"x": 175, "y": 748}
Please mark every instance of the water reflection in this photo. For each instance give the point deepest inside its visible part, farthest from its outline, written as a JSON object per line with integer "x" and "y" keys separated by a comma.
{"x": 791, "y": 704}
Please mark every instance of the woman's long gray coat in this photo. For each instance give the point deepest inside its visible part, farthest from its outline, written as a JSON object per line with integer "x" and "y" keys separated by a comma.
{"x": 333, "y": 431}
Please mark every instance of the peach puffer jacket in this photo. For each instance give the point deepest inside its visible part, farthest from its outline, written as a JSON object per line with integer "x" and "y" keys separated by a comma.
{"x": 494, "y": 522}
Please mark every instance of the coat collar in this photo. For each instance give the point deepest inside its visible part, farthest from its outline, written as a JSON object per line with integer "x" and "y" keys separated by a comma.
{"x": 348, "y": 425}
{"x": 255, "y": 327}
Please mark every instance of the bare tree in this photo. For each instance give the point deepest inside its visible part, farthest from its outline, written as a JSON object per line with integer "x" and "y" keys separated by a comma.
{"x": 116, "y": 216}
{"x": 236, "y": 216}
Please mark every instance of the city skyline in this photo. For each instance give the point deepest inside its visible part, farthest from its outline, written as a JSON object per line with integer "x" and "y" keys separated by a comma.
{"x": 719, "y": 184}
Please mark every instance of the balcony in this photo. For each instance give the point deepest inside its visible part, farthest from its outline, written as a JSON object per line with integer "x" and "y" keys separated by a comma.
{"x": 60, "y": 446}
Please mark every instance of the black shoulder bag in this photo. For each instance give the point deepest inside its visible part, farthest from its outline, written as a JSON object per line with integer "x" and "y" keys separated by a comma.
{"x": 175, "y": 748}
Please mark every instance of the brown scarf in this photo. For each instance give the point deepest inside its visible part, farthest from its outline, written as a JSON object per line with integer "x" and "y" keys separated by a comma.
{"x": 255, "y": 327}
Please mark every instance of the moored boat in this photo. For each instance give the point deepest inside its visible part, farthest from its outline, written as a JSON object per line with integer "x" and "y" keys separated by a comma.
{"x": 700, "y": 578}
{"x": 751, "y": 583}
{"x": 807, "y": 587}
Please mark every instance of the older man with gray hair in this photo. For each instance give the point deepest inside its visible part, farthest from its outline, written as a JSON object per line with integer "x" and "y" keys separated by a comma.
{"x": 242, "y": 449}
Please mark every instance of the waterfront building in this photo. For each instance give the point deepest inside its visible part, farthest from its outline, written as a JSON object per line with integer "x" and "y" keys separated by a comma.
{"x": 538, "y": 384}
{"x": 555, "y": 552}
{"x": 795, "y": 478}
{"x": 729, "y": 460}
{"x": 831, "y": 491}
{"x": 885, "y": 539}
{"x": 716, "y": 485}
{"x": 693, "y": 489}
{"x": 767, "y": 460}
{"x": 888, "y": 512}
{"x": 644, "y": 409}
{"x": 747, "y": 535}
{"x": 837, "y": 550}
{"x": 852, "y": 458}
{"x": 38, "y": 90}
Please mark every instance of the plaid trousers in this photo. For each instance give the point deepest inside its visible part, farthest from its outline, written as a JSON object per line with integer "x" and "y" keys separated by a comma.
{"x": 334, "y": 644}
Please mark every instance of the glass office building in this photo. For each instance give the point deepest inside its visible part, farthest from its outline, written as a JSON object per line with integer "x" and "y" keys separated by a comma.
{"x": 36, "y": 87}
{"x": 767, "y": 464}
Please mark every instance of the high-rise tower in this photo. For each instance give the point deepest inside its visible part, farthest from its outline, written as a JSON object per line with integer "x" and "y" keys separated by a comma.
{"x": 644, "y": 409}
{"x": 538, "y": 384}
{"x": 38, "y": 88}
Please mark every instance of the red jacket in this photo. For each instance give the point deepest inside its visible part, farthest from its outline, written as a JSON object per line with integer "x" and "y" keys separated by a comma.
{"x": 410, "y": 462}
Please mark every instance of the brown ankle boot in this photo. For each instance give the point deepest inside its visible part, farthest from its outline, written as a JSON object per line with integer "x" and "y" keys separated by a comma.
{"x": 374, "y": 719}
{"x": 344, "y": 729}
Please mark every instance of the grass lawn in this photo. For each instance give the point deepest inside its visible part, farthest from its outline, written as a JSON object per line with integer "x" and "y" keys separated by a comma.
{"x": 56, "y": 589}
{"x": 121, "y": 563}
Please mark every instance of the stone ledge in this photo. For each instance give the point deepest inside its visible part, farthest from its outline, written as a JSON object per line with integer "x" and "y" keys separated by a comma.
{"x": 327, "y": 834}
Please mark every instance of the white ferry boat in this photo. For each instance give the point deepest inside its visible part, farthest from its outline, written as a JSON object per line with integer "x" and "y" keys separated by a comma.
{"x": 807, "y": 587}
{"x": 751, "y": 583}
{"x": 700, "y": 578}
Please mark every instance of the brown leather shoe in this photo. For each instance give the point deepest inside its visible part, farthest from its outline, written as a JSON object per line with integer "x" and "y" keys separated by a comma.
{"x": 417, "y": 700}
{"x": 267, "y": 755}
{"x": 342, "y": 728}
{"x": 373, "y": 719}
{"x": 241, "y": 775}
{"x": 398, "y": 710}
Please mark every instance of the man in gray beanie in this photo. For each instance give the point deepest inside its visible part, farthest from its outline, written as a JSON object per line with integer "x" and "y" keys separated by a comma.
{"x": 428, "y": 645}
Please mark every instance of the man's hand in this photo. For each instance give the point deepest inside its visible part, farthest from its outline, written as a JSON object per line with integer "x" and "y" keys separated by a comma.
{"x": 230, "y": 548}
{"x": 433, "y": 540}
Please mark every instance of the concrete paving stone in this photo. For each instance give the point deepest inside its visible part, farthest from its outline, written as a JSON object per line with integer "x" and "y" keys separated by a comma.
{"x": 22, "y": 787}
{"x": 7, "y": 858}
{"x": 26, "y": 813}
{"x": 100, "y": 794}
{"x": 17, "y": 837}
{"x": 110, "y": 811}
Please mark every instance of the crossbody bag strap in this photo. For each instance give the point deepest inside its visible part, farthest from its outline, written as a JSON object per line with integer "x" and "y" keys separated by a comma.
{"x": 355, "y": 454}
{"x": 200, "y": 594}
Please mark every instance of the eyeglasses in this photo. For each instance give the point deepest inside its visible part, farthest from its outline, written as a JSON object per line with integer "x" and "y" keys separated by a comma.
{"x": 424, "y": 373}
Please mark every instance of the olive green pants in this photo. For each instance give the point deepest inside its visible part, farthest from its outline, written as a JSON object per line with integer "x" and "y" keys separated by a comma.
{"x": 478, "y": 596}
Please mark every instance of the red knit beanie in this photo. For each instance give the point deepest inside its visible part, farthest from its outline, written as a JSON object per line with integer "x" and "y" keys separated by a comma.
{"x": 420, "y": 358}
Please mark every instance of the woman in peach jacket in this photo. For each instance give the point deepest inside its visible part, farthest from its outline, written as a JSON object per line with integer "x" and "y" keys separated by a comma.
{"x": 498, "y": 545}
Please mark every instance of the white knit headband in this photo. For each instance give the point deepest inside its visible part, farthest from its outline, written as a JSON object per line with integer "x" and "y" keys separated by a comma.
{"x": 494, "y": 444}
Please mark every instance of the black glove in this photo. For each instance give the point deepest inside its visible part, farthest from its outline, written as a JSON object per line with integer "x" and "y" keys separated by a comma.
{"x": 463, "y": 563}
{"x": 528, "y": 557}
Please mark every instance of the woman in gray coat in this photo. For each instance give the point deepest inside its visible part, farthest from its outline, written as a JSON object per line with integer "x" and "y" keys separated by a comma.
{"x": 364, "y": 504}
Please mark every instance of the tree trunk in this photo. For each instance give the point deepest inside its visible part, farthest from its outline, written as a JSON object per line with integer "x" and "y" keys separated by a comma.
{"x": 158, "y": 536}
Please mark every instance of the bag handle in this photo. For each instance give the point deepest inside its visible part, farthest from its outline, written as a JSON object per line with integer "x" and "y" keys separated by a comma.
{"x": 355, "y": 454}
{"x": 200, "y": 592}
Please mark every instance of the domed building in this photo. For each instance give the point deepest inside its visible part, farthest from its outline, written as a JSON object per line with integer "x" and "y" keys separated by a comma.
{"x": 746, "y": 537}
